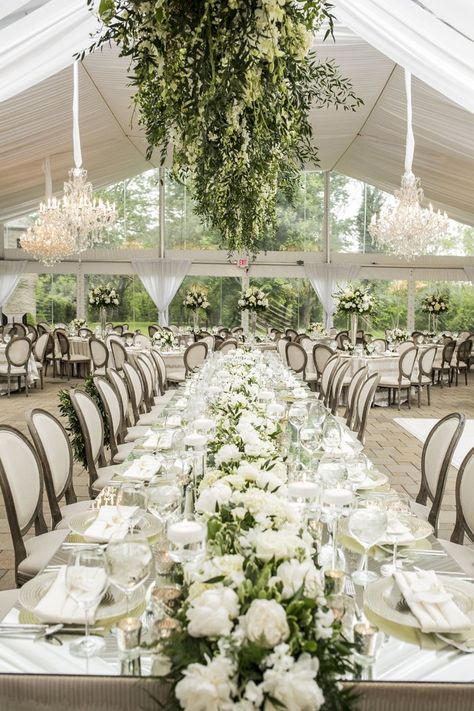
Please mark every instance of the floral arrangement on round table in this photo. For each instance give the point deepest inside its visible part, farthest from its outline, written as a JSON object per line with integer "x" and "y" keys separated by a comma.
{"x": 229, "y": 86}
{"x": 398, "y": 335}
{"x": 256, "y": 630}
{"x": 77, "y": 323}
{"x": 164, "y": 339}
{"x": 317, "y": 329}
{"x": 103, "y": 296}
{"x": 195, "y": 298}
{"x": 354, "y": 301}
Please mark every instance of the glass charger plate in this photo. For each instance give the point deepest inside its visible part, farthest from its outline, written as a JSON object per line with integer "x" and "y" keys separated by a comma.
{"x": 373, "y": 482}
{"x": 379, "y": 599}
{"x": 149, "y": 526}
{"x": 112, "y": 606}
{"x": 419, "y": 530}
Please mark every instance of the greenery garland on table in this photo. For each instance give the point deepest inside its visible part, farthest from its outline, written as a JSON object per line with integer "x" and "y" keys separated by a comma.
{"x": 73, "y": 426}
{"x": 228, "y": 85}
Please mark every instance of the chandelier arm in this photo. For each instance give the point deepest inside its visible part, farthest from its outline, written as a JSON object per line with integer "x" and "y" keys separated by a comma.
{"x": 48, "y": 183}
{"x": 76, "y": 136}
{"x": 410, "y": 139}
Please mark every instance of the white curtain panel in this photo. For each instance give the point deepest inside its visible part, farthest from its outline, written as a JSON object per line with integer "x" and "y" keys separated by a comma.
{"x": 470, "y": 274}
{"x": 162, "y": 279}
{"x": 41, "y": 43}
{"x": 10, "y": 273}
{"x": 325, "y": 279}
{"x": 434, "y": 39}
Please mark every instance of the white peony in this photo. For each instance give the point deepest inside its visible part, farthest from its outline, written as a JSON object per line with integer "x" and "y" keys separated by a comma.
{"x": 211, "y": 613}
{"x": 227, "y": 453}
{"x": 248, "y": 470}
{"x": 280, "y": 545}
{"x": 207, "y": 686}
{"x": 213, "y": 496}
{"x": 265, "y": 623}
{"x": 295, "y": 575}
{"x": 231, "y": 566}
{"x": 295, "y": 688}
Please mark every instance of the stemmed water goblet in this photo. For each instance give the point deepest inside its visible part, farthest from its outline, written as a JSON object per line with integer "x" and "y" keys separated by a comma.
{"x": 128, "y": 564}
{"x": 164, "y": 500}
{"x": 297, "y": 416}
{"x": 399, "y": 512}
{"x": 367, "y": 524}
{"x": 332, "y": 435}
{"x": 131, "y": 494}
{"x": 311, "y": 442}
{"x": 86, "y": 582}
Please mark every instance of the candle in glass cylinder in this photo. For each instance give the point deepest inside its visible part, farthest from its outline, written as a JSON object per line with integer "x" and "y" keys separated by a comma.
{"x": 334, "y": 582}
{"x": 365, "y": 641}
{"x": 337, "y": 497}
{"x": 204, "y": 424}
{"x": 303, "y": 489}
{"x": 186, "y": 532}
{"x": 196, "y": 441}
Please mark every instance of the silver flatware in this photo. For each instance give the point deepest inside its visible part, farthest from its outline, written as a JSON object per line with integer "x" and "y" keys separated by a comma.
{"x": 462, "y": 646}
{"x": 448, "y": 574}
{"x": 20, "y": 632}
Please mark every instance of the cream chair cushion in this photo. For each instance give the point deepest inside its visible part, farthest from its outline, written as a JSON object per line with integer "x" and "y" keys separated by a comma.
{"x": 394, "y": 383}
{"x": 39, "y": 551}
{"x": 123, "y": 451}
{"x": 136, "y": 432}
{"x": 104, "y": 475}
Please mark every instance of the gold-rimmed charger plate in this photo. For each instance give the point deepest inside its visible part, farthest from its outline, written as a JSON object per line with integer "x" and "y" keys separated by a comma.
{"x": 112, "y": 606}
{"x": 149, "y": 526}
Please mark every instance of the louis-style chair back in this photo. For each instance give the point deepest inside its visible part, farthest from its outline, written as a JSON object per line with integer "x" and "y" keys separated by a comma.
{"x": 142, "y": 340}
{"x": 465, "y": 500}
{"x": 119, "y": 354}
{"x": 92, "y": 428}
{"x": 321, "y": 355}
{"x": 122, "y": 390}
{"x": 85, "y": 332}
{"x": 326, "y": 378}
{"x": 40, "y": 347}
{"x": 425, "y": 362}
{"x": 436, "y": 457}
{"x": 281, "y": 347}
{"x": 63, "y": 342}
{"x": 448, "y": 352}
{"x": 406, "y": 363}
{"x": 147, "y": 379}
{"x": 296, "y": 357}
{"x": 404, "y": 346}
{"x": 161, "y": 367}
{"x": 379, "y": 344}
{"x": 209, "y": 341}
{"x": 355, "y": 384}
{"x": 135, "y": 389}
{"x": 146, "y": 358}
{"x": 341, "y": 338}
{"x": 18, "y": 352}
{"x": 99, "y": 354}
{"x": 291, "y": 333}
{"x": 337, "y": 384}
{"x": 152, "y": 329}
{"x": 230, "y": 344}
{"x": 113, "y": 410}
{"x": 55, "y": 452}
{"x": 21, "y": 483}
{"x": 364, "y": 402}
{"x": 194, "y": 356}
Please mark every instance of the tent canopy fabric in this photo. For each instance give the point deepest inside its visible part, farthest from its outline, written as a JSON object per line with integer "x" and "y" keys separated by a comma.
{"x": 374, "y": 40}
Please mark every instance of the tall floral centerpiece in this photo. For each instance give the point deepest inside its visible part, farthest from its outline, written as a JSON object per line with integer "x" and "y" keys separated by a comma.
{"x": 398, "y": 335}
{"x": 435, "y": 305}
{"x": 253, "y": 300}
{"x": 316, "y": 329}
{"x": 103, "y": 297}
{"x": 195, "y": 299}
{"x": 207, "y": 78}
{"x": 354, "y": 301}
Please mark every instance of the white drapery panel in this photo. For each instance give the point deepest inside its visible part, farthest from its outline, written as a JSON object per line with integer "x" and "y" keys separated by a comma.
{"x": 162, "y": 279}
{"x": 10, "y": 273}
{"x": 43, "y": 42}
{"x": 470, "y": 274}
{"x": 433, "y": 39}
{"x": 325, "y": 278}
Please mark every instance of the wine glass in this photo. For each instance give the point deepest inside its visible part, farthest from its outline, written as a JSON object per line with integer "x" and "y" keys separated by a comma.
{"x": 367, "y": 524}
{"x": 335, "y": 501}
{"x": 317, "y": 413}
{"x": 332, "y": 435}
{"x": 128, "y": 564}
{"x": 297, "y": 416}
{"x": 357, "y": 470}
{"x": 311, "y": 441}
{"x": 131, "y": 495}
{"x": 400, "y": 516}
{"x": 86, "y": 582}
{"x": 164, "y": 500}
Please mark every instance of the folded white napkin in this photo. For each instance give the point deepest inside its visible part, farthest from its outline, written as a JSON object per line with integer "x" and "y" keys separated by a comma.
{"x": 173, "y": 421}
{"x": 143, "y": 469}
{"x": 397, "y": 530}
{"x": 158, "y": 440}
{"x": 110, "y": 523}
{"x": 58, "y": 605}
{"x": 432, "y": 605}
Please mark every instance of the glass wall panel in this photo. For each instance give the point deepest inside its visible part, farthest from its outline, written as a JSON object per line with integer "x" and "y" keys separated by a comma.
{"x": 292, "y": 302}
{"x": 55, "y": 298}
{"x": 136, "y": 308}
{"x": 223, "y": 294}
{"x": 460, "y": 314}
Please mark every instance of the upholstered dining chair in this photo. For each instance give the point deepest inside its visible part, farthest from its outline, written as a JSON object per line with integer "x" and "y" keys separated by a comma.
{"x": 321, "y": 355}
{"x": 119, "y": 354}
{"x": 17, "y": 354}
{"x": 281, "y": 348}
{"x": 402, "y": 381}
{"x": 337, "y": 385}
{"x": 326, "y": 378}
{"x": 152, "y": 329}
{"x": 99, "y": 355}
{"x": 463, "y": 360}
{"x": 379, "y": 345}
{"x": 442, "y": 363}
{"x": 194, "y": 356}
{"x": 147, "y": 376}
{"x": 425, "y": 366}
{"x": 137, "y": 397}
{"x": 43, "y": 344}
{"x": 161, "y": 366}
{"x": 436, "y": 457}
{"x": 401, "y": 348}
{"x": 359, "y": 377}
{"x": 364, "y": 402}
{"x": 228, "y": 345}
{"x": 291, "y": 333}
{"x": 92, "y": 429}
{"x": 21, "y": 483}
{"x": 296, "y": 357}
{"x": 160, "y": 395}
{"x": 464, "y": 525}
{"x": 68, "y": 359}
{"x": 54, "y": 450}
{"x": 85, "y": 332}
{"x": 113, "y": 410}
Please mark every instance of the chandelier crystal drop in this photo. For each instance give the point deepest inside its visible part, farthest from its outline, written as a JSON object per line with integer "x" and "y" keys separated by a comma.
{"x": 48, "y": 240}
{"x": 406, "y": 229}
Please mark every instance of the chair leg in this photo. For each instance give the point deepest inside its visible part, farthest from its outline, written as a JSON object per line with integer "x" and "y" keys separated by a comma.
{"x": 409, "y": 397}
{"x": 428, "y": 391}
{"x": 399, "y": 398}
{"x": 26, "y": 386}
{"x": 419, "y": 395}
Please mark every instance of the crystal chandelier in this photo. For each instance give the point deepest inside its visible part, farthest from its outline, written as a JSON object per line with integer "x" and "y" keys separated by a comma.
{"x": 407, "y": 229}
{"x": 74, "y": 223}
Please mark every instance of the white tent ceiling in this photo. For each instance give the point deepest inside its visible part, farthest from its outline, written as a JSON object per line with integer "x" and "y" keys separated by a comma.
{"x": 367, "y": 144}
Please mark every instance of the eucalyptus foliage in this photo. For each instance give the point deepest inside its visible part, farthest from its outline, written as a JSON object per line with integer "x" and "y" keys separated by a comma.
{"x": 228, "y": 85}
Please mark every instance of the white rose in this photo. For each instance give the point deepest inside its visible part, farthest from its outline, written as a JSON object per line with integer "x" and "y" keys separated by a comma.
{"x": 295, "y": 575}
{"x": 265, "y": 623}
{"x": 227, "y": 453}
{"x": 295, "y": 688}
{"x": 279, "y": 544}
{"x": 268, "y": 480}
{"x": 248, "y": 470}
{"x": 211, "y": 613}
{"x": 215, "y": 495}
{"x": 207, "y": 686}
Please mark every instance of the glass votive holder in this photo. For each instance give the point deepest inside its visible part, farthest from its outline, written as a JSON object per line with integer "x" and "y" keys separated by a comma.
{"x": 165, "y": 600}
{"x": 129, "y": 630}
{"x": 334, "y": 581}
{"x": 166, "y": 627}
{"x": 366, "y": 642}
{"x": 187, "y": 539}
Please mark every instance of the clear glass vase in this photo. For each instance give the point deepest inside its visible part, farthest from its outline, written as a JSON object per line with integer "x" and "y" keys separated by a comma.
{"x": 253, "y": 323}
{"x": 353, "y": 331}
{"x": 103, "y": 320}
{"x": 196, "y": 320}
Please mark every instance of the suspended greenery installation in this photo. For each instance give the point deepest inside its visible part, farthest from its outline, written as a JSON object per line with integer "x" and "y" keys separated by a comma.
{"x": 227, "y": 87}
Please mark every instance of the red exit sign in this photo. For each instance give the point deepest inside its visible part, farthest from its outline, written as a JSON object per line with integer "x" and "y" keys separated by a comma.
{"x": 243, "y": 263}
